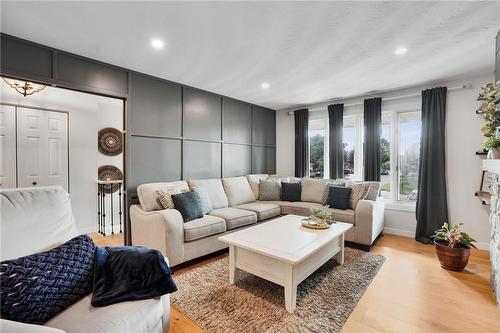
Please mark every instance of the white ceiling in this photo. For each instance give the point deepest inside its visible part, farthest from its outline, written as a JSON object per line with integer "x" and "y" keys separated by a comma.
{"x": 308, "y": 52}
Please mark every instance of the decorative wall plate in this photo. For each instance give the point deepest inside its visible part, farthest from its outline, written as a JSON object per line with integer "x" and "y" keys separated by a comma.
{"x": 110, "y": 141}
{"x": 110, "y": 172}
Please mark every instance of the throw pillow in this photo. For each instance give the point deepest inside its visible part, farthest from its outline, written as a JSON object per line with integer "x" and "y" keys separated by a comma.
{"x": 331, "y": 183}
{"x": 165, "y": 196}
{"x": 187, "y": 204}
{"x": 269, "y": 190}
{"x": 338, "y": 197}
{"x": 37, "y": 287}
{"x": 290, "y": 191}
{"x": 203, "y": 199}
{"x": 359, "y": 192}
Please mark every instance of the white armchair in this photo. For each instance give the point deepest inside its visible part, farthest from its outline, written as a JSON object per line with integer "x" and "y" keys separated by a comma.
{"x": 38, "y": 219}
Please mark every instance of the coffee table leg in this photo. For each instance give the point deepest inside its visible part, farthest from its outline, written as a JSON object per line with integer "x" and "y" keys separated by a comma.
{"x": 233, "y": 271}
{"x": 340, "y": 256}
{"x": 290, "y": 290}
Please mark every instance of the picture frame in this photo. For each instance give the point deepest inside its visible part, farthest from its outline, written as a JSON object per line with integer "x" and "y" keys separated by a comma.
{"x": 485, "y": 182}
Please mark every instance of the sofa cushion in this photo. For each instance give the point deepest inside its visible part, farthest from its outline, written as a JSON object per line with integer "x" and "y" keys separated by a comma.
{"x": 37, "y": 287}
{"x": 254, "y": 181}
{"x": 359, "y": 192}
{"x": 338, "y": 197}
{"x": 148, "y": 196}
{"x": 290, "y": 191}
{"x": 313, "y": 190}
{"x": 269, "y": 190}
{"x": 215, "y": 191}
{"x": 342, "y": 215}
{"x": 238, "y": 190}
{"x": 126, "y": 317}
{"x": 34, "y": 220}
{"x": 235, "y": 217}
{"x": 297, "y": 208}
{"x": 203, "y": 227}
{"x": 188, "y": 205}
{"x": 203, "y": 199}
{"x": 264, "y": 210}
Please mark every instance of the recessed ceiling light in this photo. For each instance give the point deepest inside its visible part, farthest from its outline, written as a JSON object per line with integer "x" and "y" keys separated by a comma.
{"x": 400, "y": 50}
{"x": 157, "y": 43}
{"x": 265, "y": 85}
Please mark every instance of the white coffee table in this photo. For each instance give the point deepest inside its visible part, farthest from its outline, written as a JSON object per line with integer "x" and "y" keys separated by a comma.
{"x": 284, "y": 252}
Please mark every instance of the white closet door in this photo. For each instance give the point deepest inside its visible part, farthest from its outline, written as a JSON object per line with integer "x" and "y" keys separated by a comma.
{"x": 42, "y": 148}
{"x": 7, "y": 146}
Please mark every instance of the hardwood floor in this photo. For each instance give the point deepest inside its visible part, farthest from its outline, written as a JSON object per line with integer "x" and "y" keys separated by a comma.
{"x": 411, "y": 293}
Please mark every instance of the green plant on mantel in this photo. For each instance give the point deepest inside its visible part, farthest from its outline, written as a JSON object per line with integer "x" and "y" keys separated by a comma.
{"x": 493, "y": 142}
{"x": 490, "y": 108}
{"x": 454, "y": 237}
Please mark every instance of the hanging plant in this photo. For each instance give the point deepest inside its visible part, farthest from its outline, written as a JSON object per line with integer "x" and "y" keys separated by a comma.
{"x": 490, "y": 108}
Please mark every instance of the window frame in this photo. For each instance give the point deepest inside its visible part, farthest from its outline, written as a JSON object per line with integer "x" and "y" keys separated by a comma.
{"x": 319, "y": 116}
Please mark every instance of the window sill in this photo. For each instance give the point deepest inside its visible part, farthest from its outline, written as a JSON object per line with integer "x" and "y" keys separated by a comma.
{"x": 402, "y": 207}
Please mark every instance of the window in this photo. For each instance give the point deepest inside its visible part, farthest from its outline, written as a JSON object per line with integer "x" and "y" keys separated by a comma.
{"x": 317, "y": 131}
{"x": 349, "y": 143}
{"x": 385, "y": 156}
{"x": 410, "y": 126}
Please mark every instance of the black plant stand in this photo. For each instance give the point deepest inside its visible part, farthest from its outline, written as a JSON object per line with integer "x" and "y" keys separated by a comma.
{"x": 109, "y": 194}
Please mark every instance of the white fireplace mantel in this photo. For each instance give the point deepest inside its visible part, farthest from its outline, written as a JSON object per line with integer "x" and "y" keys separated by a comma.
{"x": 493, "y": 167}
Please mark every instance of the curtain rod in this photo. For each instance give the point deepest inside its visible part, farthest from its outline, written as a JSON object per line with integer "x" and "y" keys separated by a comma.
{"x": 464, "y": 86}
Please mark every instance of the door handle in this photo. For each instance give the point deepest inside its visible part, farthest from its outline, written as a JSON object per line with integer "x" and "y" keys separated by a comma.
{"x": 34, "y": 183}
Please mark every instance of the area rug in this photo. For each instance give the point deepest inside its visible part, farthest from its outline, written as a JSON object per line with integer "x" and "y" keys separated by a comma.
{"x": 324, "y": 300}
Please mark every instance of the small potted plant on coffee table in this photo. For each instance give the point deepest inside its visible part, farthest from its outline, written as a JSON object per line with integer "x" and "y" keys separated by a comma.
{"x": 453, "y": 247}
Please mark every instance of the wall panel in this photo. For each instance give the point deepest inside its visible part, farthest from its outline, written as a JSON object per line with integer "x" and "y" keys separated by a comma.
{"x": 156, "y": 107}
{"x": 202, "y": 159}
{"x": 153, "y": 160}
{"x": 264, "y": 126}
{"x": 237, "y": 124}
{"x": 202, "y": 115}
{"x": 237, "y": 160}
{"x": 263, "y": 160}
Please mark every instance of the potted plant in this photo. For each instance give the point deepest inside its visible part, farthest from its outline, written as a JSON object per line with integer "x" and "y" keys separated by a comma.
{"x": 493, "y": 144}
{"x": 453, "y": 247}
{"x": 320, "y": 215}
{"x": 490, "y": 108}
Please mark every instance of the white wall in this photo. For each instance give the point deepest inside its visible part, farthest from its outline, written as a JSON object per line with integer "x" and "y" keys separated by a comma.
{"x": 87, "y": 114}
{"x": 463, "y": 139}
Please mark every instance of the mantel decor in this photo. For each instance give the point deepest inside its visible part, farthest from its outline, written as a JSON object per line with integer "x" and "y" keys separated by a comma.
{"x": 110, "y": 141}
{"x": 25, "y": 88}
{"x": 109, "y": 173}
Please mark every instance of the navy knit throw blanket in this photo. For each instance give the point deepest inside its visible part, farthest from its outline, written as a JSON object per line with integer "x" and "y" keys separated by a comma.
{"x": 39, "y": 286}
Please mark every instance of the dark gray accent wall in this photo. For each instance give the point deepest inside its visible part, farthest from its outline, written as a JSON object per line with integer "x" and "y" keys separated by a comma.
{"x": 173, "y": 131}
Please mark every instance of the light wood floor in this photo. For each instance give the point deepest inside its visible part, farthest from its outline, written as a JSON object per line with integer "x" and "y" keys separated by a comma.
{"x": 411, "y": 293}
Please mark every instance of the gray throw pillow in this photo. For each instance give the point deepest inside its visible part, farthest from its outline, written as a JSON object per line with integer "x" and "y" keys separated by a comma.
{"x": 269, "y": 190}
{"x": 204, "y": 199}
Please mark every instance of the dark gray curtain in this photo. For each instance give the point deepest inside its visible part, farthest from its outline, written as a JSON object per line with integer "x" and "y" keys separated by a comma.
{"x": 335, "y": 146}
{"x": 373, "y": 130}
{"x": 301, "y": 142}
{"x": 432, "y": 203}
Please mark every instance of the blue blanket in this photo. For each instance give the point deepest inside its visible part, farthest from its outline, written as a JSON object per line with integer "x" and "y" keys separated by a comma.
{"x": 127, "y": 273}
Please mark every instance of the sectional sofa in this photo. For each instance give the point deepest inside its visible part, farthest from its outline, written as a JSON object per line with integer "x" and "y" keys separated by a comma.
{"x": 236, "y": 206}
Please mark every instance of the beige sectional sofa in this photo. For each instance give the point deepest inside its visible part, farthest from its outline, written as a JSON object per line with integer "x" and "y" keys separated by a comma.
{"x": 236, "y": 206}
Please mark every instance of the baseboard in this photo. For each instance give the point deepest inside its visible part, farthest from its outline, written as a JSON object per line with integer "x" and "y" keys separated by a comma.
{"x": 483, "y": 246}
{"x": 87, "y": 230}
{"x": 399, "y": 232}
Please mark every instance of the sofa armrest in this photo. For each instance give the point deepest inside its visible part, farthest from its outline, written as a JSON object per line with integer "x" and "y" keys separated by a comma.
{"x": 17, "y": 327}
{"x": 162, "y": 230}
{"x": 369, "y": 220}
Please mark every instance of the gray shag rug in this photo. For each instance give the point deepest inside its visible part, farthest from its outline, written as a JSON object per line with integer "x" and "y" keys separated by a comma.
{"x": 324, "y": 300}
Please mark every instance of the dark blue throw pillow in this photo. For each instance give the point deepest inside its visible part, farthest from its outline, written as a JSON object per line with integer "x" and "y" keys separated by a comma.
{"x": 338, "y": 197}
{"x": 291, "y": 191}
{"x": 37, "y": 287}
{"x": 188, "y": 205}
